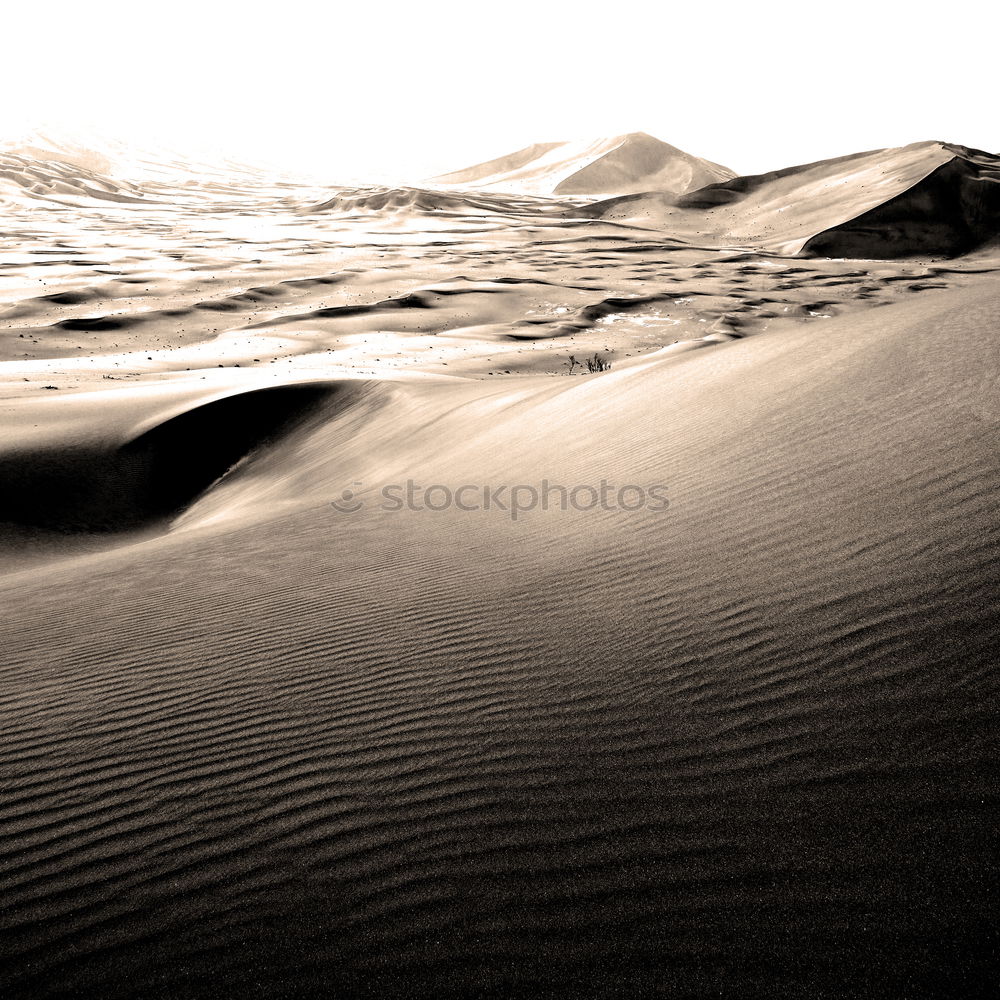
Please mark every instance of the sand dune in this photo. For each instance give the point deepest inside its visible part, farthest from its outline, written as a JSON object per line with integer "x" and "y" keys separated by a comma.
{"x": 954, "y": 209}
{"x": 930, "y": 198}
{"x": 310, "y": 752}
{"x": 108, "y": 481}
{"x": 127, "y": 161}
{"x": 25, "y": 178}
{"x": 619, "y": 165}
{"x": 42, "y": 170}
{"x": 305, "y": 693}
{"x": 369, "y": 202}
{"x": 927, "y": 198}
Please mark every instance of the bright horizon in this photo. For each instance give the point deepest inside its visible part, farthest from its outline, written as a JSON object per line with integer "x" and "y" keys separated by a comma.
{"x": 405, "y": 92}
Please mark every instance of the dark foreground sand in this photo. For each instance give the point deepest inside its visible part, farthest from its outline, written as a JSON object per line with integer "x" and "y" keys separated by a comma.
{"x": 258, "y": 746}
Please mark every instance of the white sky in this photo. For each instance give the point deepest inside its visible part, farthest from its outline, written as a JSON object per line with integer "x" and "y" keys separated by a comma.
{"x": 406, "y": 90}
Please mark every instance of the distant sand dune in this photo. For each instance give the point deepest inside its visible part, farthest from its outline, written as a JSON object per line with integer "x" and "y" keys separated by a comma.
{"x": 926, "y": 198}
{"x": 126, "y": 161}
{"x": 58, "y": 181}
{"x": 954, "y": 209}
{"x": 622, "y": 164}
{"x": 360, "y": 202}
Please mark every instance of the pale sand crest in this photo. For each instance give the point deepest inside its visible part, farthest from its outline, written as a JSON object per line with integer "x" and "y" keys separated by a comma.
{"x": 622, "y": 164}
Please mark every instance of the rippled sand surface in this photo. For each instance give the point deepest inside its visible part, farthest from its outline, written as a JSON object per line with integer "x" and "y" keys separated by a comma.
{"x": 266, "y": 734}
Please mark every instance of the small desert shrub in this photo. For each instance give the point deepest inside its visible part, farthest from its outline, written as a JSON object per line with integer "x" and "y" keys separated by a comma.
{"x": 594, "y": 364}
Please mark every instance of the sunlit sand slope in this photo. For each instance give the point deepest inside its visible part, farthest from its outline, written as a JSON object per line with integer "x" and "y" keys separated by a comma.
{"x": 927, "y": 198}
{"x": 744, "y": 745}
{"x": 619, "y": 165}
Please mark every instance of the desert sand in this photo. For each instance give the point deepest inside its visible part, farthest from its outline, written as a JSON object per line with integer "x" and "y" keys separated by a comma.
{"x": 266, "y": 734}
{"x": 624, "y": 164}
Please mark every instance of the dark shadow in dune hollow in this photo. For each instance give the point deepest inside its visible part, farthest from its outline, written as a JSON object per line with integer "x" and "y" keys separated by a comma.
{"x": 157, "y": 474}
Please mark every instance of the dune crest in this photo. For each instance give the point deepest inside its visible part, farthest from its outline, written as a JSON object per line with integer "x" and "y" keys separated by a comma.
{"x": 954, "y": 209}
{"x": 30, "y": 177}
{"x": 386, "y": 201}
{"x": 115, "y": 484}
{"x": 925, "y": 198}
{"x": 619, "y": 165}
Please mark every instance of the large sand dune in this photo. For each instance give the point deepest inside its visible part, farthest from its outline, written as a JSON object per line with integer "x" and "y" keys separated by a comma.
{"x": 926, "y": 198}
{"x": 717, "y": 719}
{"x": 618, "y": 165}
{"x": 297, "y": 752}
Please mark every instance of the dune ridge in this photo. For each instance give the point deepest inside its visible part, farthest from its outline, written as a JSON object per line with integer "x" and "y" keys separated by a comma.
{"x": 120, "y": 485}
{"x": 924, "y": 199}
{"x": 929, "y": 198}
{"x": 619, "y": 165}
{"x": 361, "y": 202}
{"x": 953, "y": 210}
{"x": 741, "y": 745}
{"x": 25, "y": 178}
{"x": 121, "y": 160}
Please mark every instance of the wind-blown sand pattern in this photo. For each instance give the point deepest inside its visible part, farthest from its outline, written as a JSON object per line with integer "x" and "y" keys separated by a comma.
{"x": 256, "y": 744}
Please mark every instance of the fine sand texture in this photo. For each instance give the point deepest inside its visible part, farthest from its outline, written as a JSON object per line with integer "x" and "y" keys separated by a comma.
{"x": 361, "y": 639}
